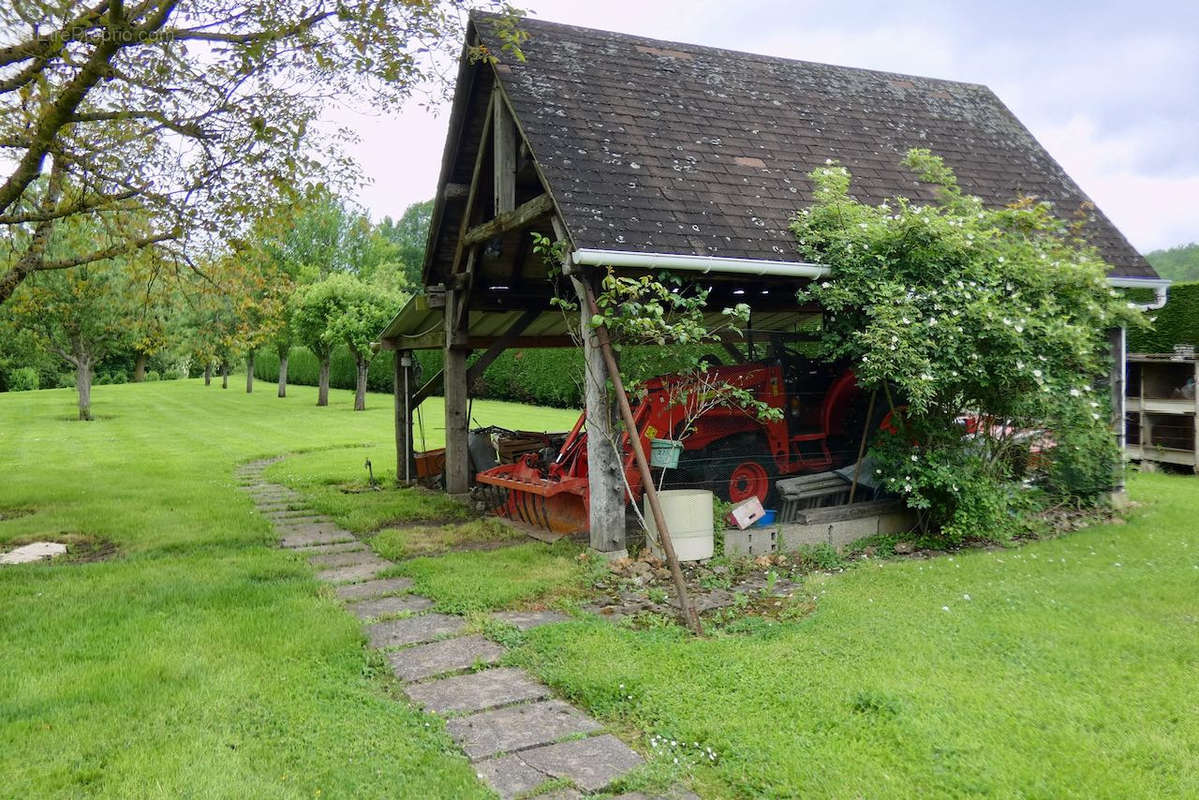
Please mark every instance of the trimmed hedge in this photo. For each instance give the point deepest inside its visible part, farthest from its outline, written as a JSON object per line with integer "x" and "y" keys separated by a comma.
{"x": 1175, "y": 323}
{"x": 551, "y": 377}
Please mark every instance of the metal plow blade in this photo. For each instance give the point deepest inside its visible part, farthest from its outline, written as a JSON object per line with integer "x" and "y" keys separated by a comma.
{"x": 519, "y": 493}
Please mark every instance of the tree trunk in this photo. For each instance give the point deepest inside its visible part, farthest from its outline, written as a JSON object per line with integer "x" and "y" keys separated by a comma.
{"x": 224, "y": 374}
{"x": 139, "y": 368}
{"x": 250, "y": 373}
{"x": 360, "y": 383}
{"x": 322, "y": 391}
{"x": 83, "y": 386}
{"x": 208, "y": 374}
{"x": 283, "y": 376}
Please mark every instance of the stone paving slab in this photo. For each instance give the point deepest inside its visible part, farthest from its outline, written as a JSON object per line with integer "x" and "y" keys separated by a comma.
{"x": 312, "y": 528}
{"x": 437, "y": 658}
{"x": 509, "y": 776}
{"x": 385, "y": 606}
{"x": 591, "y": 764}
{"x": 355, "y": 573}
{"x": 381, "y": 586}
{"x": 518, "y": 727}
{"x": 478, "y": 691}
{"x": 673, "y": 794}
{"x": 305, "y": 518}
{"x": 35, "y": 551}
{"x": 309, "y": 538}
{"x": 530, "y": 619}
{"x": 337, "y": 547}
{"x": 413, "y": 630}
{"x": 345, "y": 559}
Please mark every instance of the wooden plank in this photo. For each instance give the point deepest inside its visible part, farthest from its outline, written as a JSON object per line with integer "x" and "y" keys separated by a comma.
{"x": 517, "y": 218}
{"x": 473, "y": 192}
{"x": 404, "y": 407}
{"x": 457, "y": 398}
{"x": 504, "y": 155}
{"x": 500, "y": 345}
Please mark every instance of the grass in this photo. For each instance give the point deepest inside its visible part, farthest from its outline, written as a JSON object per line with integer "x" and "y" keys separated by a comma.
{"x": 511, "y": 577}
{"x": 199, "y": 661}
{"x": 396, "y": 544}
{"x": 1063, "y": 669}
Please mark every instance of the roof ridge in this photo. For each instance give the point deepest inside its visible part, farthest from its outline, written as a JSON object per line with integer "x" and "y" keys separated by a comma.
{"x": 725, "y": 51}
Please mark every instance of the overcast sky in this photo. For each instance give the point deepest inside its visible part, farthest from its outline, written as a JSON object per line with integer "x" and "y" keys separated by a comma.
{"x": 1110, "y": 88}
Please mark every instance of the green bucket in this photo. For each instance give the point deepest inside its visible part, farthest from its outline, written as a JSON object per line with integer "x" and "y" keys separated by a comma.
{"x": 664, "y": 453}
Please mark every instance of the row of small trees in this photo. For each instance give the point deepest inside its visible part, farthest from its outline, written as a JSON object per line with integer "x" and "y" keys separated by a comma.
{"x": 316, "y": 273}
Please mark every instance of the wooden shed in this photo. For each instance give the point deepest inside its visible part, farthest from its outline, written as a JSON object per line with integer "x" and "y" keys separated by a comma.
{"x": 642, "y": 154}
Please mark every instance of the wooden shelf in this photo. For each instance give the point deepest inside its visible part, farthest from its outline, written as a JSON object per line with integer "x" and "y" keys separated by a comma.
{"x": 1160, "y": 424}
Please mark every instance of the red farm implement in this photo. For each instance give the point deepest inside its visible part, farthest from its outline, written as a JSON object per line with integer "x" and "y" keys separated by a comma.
{"x": 726, "y": 448}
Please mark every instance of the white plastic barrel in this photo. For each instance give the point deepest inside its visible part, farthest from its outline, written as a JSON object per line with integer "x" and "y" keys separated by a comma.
{"x": 688, "y": 515}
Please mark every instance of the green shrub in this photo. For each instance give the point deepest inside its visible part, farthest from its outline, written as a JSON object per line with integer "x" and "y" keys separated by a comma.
{"x": 549, "y": 377}
{"x": 23, "y": 379}
{"x": 152, "y": 375}
{"x": 1082, "y": 463}
{"x": 65, "y": 380}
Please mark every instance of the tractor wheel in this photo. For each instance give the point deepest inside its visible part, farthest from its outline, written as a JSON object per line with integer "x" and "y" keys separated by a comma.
{"x": 741, "y": 469}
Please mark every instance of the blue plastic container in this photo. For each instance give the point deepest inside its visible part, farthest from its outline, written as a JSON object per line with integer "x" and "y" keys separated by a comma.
{"x": 767, "y": 518}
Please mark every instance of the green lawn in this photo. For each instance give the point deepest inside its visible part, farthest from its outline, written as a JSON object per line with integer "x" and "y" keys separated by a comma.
{"x": 203, "y": 662}
{"x": 1068, "y": 668}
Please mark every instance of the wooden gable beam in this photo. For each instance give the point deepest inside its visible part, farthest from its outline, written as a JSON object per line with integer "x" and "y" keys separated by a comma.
{"x": 503, "y": 141}
{"x": 539, "y": 206}
{"x": 501, "y": 344}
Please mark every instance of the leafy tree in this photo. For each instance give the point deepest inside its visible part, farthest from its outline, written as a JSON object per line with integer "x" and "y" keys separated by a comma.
{"x": 409, "y": 235}
{"x": 364, "y": 311}
{"x": 341, "y": 309}
{"x": 1179, "y": 263}
{"x": 315, "y": 305}
{"x": 188, "y": 112}
{"x": 959, "y": 308}
{"x": 80, "y": 315}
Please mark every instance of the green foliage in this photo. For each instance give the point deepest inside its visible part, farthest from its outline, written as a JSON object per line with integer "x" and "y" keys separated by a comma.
{"x": 958, "y": 308}
{"x": 153, "y": 375}
{"x": 23, "y": 379}
{"x": 409, "y": 235}
{"x": 1080, "y": 466}
{"x": 1177, "y": 322}
{"x": 1179, "y": 263}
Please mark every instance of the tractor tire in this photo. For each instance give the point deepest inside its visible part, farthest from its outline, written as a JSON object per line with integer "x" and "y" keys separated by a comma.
{"x": 739, "y": 468}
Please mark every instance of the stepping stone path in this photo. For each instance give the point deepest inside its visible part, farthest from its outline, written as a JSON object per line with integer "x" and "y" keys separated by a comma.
{"x": 509, "y": 724}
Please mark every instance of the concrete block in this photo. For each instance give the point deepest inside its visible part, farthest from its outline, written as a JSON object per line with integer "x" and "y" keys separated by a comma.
{"x": 845, "y": 531}
{"x": 751, "y": 541}
{"x": 897, "y": 522}
{"x": 796, "y": 535}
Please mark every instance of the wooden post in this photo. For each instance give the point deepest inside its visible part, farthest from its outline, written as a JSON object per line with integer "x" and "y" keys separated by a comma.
{"x": 686, "y": 610}
{"x": 604, "y": 460}
{"x": 504, "y": 139}
{"x": 404, "y": 408}
{"x": 1119, "y": 364}
{"x": 457, "y": 455}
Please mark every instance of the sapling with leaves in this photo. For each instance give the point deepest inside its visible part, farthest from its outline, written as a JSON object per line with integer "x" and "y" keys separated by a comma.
{"x": 953, "y": 309}
{"x": 363, "y": 312}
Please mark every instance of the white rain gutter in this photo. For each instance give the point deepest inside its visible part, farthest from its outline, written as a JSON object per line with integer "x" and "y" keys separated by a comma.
{"x": 741, "y": 266}
{"x": 1160, "y": 287}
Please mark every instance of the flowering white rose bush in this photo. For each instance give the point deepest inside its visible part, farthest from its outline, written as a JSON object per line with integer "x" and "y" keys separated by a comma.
{"x": 998, "y": 313}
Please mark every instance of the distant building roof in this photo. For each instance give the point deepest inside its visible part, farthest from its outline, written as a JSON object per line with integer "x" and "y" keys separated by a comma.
{"x": 650, "y": 146}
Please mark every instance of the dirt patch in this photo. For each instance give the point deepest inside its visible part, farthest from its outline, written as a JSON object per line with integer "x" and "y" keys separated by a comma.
{"x": 640, "y": 592}
{"x": 82, "y": 548}
{"x": 15, "y": 512}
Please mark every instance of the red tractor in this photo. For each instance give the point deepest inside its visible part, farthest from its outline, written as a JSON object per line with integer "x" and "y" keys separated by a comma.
{"x": 727, "y": 448}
